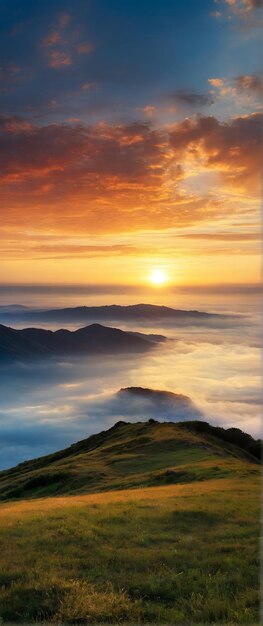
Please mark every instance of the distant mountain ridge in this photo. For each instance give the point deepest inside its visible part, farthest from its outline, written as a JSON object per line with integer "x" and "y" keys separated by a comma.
{"x": 94, "y": 339}
{"x": 134, "y": 312}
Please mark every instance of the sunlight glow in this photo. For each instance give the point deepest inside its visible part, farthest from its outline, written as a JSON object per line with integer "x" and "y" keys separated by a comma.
{"x": 158, "y": 277}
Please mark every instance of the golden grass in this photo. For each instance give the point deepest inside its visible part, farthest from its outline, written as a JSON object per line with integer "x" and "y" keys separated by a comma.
{"x": 172, "y": 554}
{"x": 126, "y": 495}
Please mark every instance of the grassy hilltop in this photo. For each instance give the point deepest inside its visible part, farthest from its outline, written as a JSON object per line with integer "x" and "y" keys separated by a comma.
{"x": 143, "y": 523}
{"x": 133, "y": 455}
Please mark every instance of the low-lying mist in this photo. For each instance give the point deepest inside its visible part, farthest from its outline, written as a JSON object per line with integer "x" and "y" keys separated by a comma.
{"x": 49, "y": 404}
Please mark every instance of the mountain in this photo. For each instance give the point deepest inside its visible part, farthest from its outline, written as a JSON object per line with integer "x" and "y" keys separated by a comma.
{"x": 131, "y": 455}
{"x": 11, "y": 308}
{"x": 136, "y": 312}
{"x": 94, "y": 339}
{"x": 155, "y": 403}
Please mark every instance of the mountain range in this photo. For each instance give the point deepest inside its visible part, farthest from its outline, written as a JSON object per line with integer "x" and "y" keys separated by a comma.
{"x": 136, "y": 312}
{"x": 94, "y": 339}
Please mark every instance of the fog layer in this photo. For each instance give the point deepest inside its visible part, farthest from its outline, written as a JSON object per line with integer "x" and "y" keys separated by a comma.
{"x": 48, "y": 405}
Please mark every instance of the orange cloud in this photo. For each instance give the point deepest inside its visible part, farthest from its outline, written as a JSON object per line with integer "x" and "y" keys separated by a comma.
{"x": 225, "y": 88}
{"x": 248, "y": 84}
{"x": 216, "y": 82}
{"x": 233, "y": 148}
{"x": 121, "y": 178}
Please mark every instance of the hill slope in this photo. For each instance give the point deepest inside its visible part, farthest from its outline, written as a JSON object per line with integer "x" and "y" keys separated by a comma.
{"x": 93, "y": 339}
{"x": 131, "y": 455}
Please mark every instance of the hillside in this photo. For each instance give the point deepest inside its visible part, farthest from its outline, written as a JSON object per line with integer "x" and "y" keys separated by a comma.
{"x": 94, "y": 339}
{"x": 131, "y": 455}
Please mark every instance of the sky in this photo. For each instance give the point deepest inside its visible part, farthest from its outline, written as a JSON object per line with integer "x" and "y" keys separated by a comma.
{"x": 131, "y": 138}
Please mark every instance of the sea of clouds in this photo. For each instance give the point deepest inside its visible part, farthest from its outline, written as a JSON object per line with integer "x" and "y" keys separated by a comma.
{"x": 50, "y": 404}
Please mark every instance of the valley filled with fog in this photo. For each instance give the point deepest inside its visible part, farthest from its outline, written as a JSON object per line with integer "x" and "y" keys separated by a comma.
{"x": 50, "y": 403}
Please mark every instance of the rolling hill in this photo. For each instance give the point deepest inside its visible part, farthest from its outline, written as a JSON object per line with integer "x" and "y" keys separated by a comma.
{"x": 131, "y": 455}
{"x": 94, "y": 339}
{"x": 146, "y": 523}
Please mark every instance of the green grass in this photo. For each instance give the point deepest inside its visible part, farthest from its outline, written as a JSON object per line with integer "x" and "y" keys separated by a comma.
{"x": 129, "y": 455}
{"x": 145, "y": 523}
{"x": 178, "y": 554}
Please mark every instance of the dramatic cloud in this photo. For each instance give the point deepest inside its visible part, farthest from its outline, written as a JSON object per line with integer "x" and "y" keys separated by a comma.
{"x": 233, "y": 149}
{"x": 131, "y": 176}
{"x": 121, "y": 167}
{"x": 128, "y": 151}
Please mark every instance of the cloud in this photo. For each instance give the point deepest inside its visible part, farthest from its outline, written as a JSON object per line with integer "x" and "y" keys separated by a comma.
{"x": 107, "y": 170}
{"x": 10, "y": 75}
{"x": 87, "y": 86}
{"x": 64, "y": 20}
{"x": 224, "y": 87}
{"x": 216, "y": 14}
{"x": 149, "y": 110}
{"x": 246, "y": 5}
{"x": 127, "y": 151}
{"x": 233, "y": 149}
{"x": 54, "y": 38}
{"x": 63, "y": 250}
{"x": 242, "y": 7}
{"x": 222, "y": 236}
{"x": 190, "y": 98}
{"x": 122, "y": 177}
{"x": 85, "y": 48}
{"x": 248, "y": 85}
{"x": 251, "y": 83}
{"x": 59, "y": 59}
{"x": 247, "y": 14}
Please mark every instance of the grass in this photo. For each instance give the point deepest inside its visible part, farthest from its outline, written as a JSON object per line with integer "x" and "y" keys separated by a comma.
{"x": 170, "y": 554}
{"x": 129, "y": 456}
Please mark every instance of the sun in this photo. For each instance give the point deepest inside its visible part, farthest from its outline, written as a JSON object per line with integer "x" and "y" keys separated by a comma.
{"x": 158, "y": 277}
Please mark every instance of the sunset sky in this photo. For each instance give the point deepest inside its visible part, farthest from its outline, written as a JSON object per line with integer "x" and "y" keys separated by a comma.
{"x": 131, "y": 141}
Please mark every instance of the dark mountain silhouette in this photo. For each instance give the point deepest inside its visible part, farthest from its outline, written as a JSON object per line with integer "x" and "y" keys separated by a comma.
{"x": 93, "y": 339}
{"x": 157, "y": 403}
{"x": 136, "y": 312}
{"x": 130, "y": 455}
